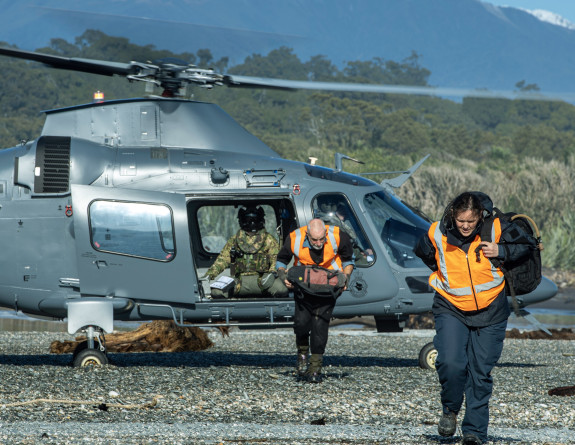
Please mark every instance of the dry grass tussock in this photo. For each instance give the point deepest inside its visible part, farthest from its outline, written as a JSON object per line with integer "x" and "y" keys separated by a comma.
{"x": 543, "y": 190}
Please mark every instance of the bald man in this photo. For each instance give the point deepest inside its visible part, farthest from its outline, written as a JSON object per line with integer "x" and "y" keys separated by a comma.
{"x": 328, "y": 247}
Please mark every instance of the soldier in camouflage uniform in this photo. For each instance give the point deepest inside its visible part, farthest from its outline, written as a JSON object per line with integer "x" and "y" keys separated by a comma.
{"x": 251, "y": 256}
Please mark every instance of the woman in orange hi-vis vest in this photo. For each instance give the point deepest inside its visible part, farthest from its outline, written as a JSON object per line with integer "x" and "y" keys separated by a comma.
{"x": 470, "y": 307}
{"x": 330, "y": 248}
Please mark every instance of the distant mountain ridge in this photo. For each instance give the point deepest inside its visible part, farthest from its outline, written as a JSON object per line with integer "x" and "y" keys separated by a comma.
{"x": 465, "y": 43}
{"x": 550, "y": 17}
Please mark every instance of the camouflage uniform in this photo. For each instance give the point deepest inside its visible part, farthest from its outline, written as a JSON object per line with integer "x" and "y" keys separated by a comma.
{"x": 251, "y": 258}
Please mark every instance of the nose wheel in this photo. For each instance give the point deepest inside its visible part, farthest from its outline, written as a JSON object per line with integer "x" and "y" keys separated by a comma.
{"x": 427, "y": 356}
{"x": 91, "y": 352}
{"x": 89, "y": 357}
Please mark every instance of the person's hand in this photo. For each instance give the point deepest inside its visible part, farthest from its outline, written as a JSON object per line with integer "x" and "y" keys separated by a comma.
{"x": 490, "y": 250}
{"x": 283, "y": 276}
{"x": 347, "y": 278}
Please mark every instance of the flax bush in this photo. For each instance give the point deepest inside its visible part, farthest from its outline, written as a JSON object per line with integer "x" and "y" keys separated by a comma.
{"x": 558, "y": 250}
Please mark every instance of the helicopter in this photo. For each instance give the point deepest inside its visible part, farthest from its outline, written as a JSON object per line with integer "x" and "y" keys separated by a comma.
{"x": 116, "y": 211}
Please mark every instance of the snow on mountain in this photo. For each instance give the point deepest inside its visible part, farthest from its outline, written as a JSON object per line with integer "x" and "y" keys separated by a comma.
{"x": 550, "y": 17}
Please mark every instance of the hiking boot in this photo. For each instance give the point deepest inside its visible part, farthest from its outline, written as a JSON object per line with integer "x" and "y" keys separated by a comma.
{"x": 447, "y": 424}
{"x": 301, "y": 364}
{"x": 314, "y": 377}
{"x": 313, "y": 373}
{"x": 471, "y": 439}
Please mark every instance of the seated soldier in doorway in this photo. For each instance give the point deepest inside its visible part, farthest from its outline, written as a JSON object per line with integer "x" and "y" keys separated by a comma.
{"x": 251, "y": 255}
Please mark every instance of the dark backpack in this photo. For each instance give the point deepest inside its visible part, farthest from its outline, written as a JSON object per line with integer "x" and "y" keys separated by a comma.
{"x": 317, "y": 281}
{"x": 523, "y": 276}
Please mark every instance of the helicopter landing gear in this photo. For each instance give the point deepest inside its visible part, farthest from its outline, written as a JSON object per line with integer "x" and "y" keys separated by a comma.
{"x": 94, "y": 317}
{"x": 88, "y": 357}
{"x": 427, "y": 356}
{"x": 91, "y": 352}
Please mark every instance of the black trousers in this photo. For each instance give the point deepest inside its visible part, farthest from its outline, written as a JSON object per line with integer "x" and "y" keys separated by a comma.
{"x": 311, "y": 321}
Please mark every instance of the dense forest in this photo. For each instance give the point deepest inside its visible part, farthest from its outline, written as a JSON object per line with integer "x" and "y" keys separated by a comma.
{"x": 520, "y": 152}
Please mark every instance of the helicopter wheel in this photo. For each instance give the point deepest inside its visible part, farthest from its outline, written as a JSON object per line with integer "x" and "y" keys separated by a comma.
{"x": 89, "y": 357}
{"x": 427, "y": 356}
{"x": 84, "y": 356}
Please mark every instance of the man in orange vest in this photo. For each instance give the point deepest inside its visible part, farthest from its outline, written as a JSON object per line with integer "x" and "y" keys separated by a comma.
{"x": 328, "y": 247}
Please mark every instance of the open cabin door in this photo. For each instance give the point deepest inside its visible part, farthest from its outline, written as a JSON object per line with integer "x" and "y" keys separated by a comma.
{"x": 133, "y": 244}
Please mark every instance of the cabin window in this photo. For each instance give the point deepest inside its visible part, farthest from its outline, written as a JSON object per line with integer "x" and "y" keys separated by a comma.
{"x": 399, "y": 227}
{"x": 130, "y": 228}
{"x": 218, "y": 223}
{"x": 334, "y": 209}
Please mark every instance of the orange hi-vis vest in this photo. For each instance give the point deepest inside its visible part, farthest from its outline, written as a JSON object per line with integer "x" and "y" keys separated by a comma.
{"x": 469, "y": 284}
{"x": 331, "y": 259}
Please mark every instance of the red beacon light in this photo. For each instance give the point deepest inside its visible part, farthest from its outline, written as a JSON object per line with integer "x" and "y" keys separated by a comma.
{"x": 98, "y": 97}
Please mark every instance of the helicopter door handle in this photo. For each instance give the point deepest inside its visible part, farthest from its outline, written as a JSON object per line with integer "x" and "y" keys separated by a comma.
{"x": 100, "y": 264}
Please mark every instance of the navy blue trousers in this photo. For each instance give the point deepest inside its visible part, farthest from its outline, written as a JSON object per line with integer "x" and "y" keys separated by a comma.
{"x": 465, "y": 358}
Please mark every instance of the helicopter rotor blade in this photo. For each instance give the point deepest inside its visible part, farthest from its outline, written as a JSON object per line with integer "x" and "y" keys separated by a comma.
{"x": 172, "y": 76}
{"x": 101, "y": 67}
{"x": 261, "y": 82}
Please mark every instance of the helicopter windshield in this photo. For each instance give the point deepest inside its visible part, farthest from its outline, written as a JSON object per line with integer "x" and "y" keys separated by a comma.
{"x": 399, "y": 227}
{"x": 334, "y": 209}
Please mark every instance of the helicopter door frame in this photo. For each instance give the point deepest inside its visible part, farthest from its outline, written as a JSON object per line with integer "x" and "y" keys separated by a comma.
{"x": 114, "y": 263}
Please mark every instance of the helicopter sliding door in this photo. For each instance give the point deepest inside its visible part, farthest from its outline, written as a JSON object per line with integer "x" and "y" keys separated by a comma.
{"x": 133, "y": 244}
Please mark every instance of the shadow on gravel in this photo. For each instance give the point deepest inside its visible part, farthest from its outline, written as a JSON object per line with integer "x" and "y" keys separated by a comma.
{"x": 203, "y": 359}
{"x": 36, "y": 360}
{"x": 207, "y": 359}
{"x": 436, "y": 438}
{"x": 520, "y": 365}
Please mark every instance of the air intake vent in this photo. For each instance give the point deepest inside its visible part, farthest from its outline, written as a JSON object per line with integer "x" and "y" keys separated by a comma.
{"x": 52, "y": 174}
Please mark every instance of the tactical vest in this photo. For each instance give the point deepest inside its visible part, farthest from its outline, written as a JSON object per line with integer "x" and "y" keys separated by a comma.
{"x": 331, "y": 259}
{"x": 469, "y": 281}
{"x": 251, "y": 256}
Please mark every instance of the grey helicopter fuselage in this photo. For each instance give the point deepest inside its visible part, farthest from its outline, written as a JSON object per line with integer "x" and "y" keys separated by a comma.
{"x": 118, "y": 201}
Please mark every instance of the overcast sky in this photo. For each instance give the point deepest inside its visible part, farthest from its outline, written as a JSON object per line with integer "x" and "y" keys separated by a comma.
{"x": 565, "y": 8}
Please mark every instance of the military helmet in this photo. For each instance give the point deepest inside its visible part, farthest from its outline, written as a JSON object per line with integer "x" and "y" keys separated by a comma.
{"x": 251, "y": 218}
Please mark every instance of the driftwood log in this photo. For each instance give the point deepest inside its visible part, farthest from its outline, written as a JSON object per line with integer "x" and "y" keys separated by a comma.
{"x": 562, "y": 391}
{"x": 156, "y": 336}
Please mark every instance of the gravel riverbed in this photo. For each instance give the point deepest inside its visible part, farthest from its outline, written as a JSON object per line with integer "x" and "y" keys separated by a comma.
{"x": 243, "y": 391}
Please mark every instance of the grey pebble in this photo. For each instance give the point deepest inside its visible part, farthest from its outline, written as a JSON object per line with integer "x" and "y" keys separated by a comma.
{"x": 243, "y": 390}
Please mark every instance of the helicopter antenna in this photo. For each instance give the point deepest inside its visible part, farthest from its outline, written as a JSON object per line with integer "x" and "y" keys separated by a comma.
{"x": 339, "y": 157}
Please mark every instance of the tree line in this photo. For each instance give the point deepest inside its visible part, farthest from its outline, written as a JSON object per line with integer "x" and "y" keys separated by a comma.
{"x": 520, "y": 152}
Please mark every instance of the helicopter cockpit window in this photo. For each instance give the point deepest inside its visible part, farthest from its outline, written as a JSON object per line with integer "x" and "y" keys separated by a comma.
{"x": 334, "y": 209}
{"x": 218, "y": 223}
{"x": 399, "y": 227}
{"x": 135, "y": 229}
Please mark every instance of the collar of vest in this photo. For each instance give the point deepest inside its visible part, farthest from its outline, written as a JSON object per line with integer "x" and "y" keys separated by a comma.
{"x": 455, "y": 239}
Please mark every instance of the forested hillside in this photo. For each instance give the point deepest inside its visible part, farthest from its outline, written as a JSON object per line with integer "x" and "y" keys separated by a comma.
{"x": 520, "y": 152}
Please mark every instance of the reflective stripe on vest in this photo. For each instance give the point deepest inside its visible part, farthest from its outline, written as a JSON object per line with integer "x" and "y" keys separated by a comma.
{"x": 331, "y": 259}
{"x": 468, "y": 284}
